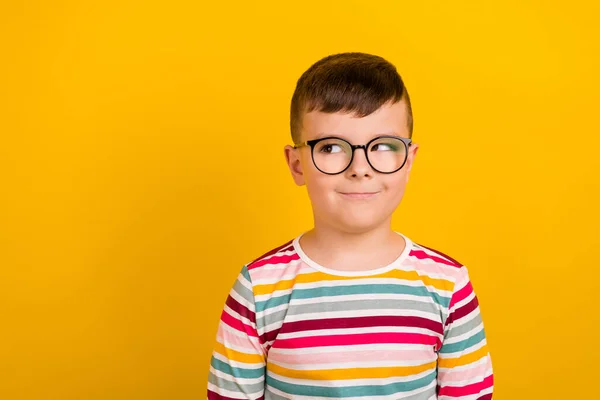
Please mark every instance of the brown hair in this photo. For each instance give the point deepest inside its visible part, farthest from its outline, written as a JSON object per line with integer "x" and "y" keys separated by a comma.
{"x": 352, "y": 82}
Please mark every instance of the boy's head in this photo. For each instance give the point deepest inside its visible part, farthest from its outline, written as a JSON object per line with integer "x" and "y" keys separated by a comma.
{"x": 341, "y": 101}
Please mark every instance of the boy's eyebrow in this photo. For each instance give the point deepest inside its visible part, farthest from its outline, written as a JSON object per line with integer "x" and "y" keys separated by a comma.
{"x": 342, "y": 136}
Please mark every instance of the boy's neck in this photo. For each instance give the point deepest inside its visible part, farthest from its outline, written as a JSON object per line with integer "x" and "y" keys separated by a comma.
{"x": 341, "y": 250}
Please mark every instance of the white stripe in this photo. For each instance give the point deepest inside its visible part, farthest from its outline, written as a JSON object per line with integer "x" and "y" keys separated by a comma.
{"x": 328, "y": 284}
{"x": 437, "y": 255}
{"x": 395, "y": 396}
{"x": 234, "y": 332}
{"x": 360, "y": 313}
{"x": 473, "y": 379}
{"x": 446, "y": 273}
{"x": 462, "y": 368}
{"x": 242, "y": 300}
{"x": 237, "y": 316}
{"x": 245, "y": 282}
{"x": 240, "y": 381}
{"x": 465, "y": 335}
{"x": 273, "y": 310}
{"x": 276, "y": 293}
{"x": 464, "y": 301}
{"x": 465, "y": 351}
{"x": 366, "y": 281}
{"x": 366, "y": 296}
{"x": 279, "y": 272}
{"x": 246, "y": 350}
{"x": 355, "y": 364}
{"x": 464, "y": 320}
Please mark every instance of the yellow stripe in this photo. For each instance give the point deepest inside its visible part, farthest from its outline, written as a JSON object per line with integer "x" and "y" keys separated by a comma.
{"x": 238, "y": 356}
{"x": 350, "y": 373}
{"x": 440, "y": 284}
{"x": 273, "y": 287}
{"x": 464, "y": 359}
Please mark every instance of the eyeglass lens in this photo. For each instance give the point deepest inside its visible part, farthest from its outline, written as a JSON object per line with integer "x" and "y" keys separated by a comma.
{"x": 384, "y": 154}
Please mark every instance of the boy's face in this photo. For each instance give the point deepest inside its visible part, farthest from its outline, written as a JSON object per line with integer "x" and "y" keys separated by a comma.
{"x": 358, "y": 199}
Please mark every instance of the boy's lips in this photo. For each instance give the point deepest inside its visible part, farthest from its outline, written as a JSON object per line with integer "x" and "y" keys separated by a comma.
{"x": 358, "y": 195}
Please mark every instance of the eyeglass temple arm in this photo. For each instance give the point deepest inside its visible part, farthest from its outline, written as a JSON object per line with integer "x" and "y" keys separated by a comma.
{"x": 297, "y": 145}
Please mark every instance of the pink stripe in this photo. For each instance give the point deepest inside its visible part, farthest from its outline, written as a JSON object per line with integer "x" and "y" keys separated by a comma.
{"x": 351, "y": 356}
{"x": 450, "y": 274}
{"x": 354, "y": 339}
{"x": 461, "y": 294}
{"x": 228, "y": 339}
{"x": 274, "y": 275}
{"x": 237, "y": 324}
{"x": 462, "y": 374}
{"x": 274, "y": 260}
{"x": 421, "y": 255}
{"x": 459, "y": 391}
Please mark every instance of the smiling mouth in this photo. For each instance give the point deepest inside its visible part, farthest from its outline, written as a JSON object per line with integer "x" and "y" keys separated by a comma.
{"x": 358, "y": 195}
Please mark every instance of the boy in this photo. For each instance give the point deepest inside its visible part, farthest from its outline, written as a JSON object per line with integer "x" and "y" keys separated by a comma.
{"x": 351, "y": 308}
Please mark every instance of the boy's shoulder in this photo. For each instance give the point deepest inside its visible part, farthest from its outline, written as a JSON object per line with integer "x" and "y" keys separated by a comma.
{"x": 283, "y": 253}
{"x": 432, "y": 255}
{"x": 424, "y": 259}
{"x": 444, "y": 269}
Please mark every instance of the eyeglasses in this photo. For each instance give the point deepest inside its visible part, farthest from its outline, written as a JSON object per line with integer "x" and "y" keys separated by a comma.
{"x": 333, "y": 155}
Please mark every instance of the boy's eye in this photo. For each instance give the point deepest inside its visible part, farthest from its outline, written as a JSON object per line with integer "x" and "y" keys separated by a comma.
{"x": 384, "y": 147}
{"x": 330, "y": 148}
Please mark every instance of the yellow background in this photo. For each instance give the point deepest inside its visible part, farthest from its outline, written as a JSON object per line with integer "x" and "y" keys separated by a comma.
{"x": 141, "y": 165}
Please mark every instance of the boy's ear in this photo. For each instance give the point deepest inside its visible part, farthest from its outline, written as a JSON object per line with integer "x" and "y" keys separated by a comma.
{"x": 292, "y": 157}
{"x": 412, "y": 153}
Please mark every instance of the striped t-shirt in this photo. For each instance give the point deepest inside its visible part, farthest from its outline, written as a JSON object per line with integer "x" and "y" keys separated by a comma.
{"x": 293, "y": 329}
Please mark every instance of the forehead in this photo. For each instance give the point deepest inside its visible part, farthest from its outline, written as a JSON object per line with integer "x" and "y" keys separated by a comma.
{"x": 389, "y": 119}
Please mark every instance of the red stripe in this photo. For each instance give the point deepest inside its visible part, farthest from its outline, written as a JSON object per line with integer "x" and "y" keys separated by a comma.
{"x": 273, "y": 260}
{"x": 237, "y": 324}
{"x": 269, "y": 336}
{"x": 271, "y": 252}
{"x": 362, "y": 322}
{"x": 240, "y": 309}
{"x": 460, "y": 391}
{"x": 462, "y": 294}
{"x": 356, "y": 339}
{"x": 444, "y": 259}
{"x": 463, "y": 311}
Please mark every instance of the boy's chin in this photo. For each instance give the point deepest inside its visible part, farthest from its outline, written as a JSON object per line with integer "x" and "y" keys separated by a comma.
{"x": 361, "y": 225}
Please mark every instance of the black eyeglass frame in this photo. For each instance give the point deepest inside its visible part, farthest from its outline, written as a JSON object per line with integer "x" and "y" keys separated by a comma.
{"x": 312, "y": 143}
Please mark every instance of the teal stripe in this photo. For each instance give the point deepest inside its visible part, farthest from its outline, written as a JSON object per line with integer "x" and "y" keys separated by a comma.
{"x": 248, "y": 373}
{"x": 351, "y": 391}
{"x": 234, "y": 385}
{"x": 464, "y": 344}
{"x": 246, "y": 273}
{"x": 272, "y": 302}
{"x": 350, "y": 290}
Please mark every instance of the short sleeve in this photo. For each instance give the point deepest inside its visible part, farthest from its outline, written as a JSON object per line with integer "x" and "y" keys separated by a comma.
{"x": 238, "y": 362}
{"x": 464, "y": 361}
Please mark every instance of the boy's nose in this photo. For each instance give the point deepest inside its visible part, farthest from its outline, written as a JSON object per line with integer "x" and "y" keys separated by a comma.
{"x": 360, "y": 166}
